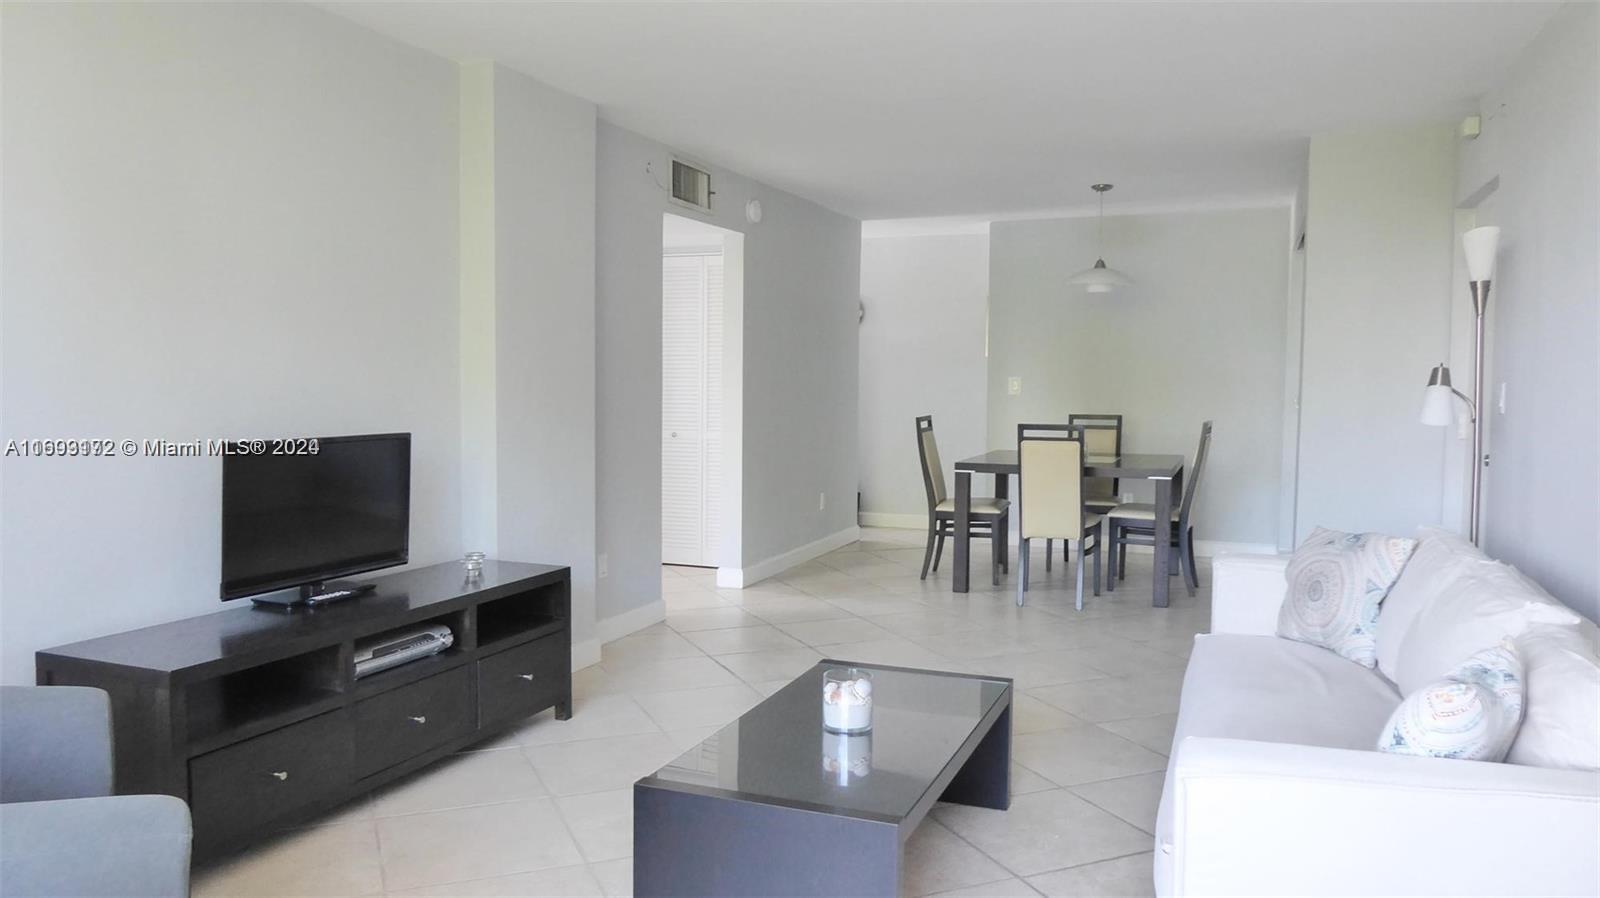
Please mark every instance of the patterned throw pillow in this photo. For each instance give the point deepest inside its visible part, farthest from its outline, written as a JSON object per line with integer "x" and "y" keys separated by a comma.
{"x": 1336, "y": 582}
{"x": 1473, "y": 714}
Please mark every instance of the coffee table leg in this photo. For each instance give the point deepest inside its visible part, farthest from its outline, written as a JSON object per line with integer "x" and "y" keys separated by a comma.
{"x": 699, "y": 845}
{"x": 985, "y": 780}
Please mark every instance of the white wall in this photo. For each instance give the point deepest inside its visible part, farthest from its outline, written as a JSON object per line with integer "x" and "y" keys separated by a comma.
{"x": 799, "y": 345}
{"x": 1540, "y": 141}
{"x": 543, "y": 201}
{"x": 222, "y": 220}
{"x": 922, "y": 352}
{"x": 1379, "y": 243}
{"x": 1199, "y": 336}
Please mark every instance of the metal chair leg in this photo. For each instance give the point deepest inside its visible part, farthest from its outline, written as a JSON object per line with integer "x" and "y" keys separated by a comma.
{"x": 1111, "y": 557}
{"x": 996, "y": 553}
{"x": 1190, "y": 574}
{"x": 1005, "y": 543}
{"x": 1022, "y": 572}
{"x": 1099, "y": 548}
{"x": 1080, "y": 574}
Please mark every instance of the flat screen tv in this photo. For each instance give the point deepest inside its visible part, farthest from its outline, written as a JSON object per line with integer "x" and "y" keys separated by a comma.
{"x": 301, "y": 518}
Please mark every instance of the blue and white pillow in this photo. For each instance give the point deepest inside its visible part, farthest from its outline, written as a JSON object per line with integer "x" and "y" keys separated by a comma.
{"x": 1336, "y": 583}
{"x": 1472, "y": 714}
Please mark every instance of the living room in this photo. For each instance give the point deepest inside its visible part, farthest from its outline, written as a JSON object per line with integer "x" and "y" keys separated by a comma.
{"x": 440, "y": 228}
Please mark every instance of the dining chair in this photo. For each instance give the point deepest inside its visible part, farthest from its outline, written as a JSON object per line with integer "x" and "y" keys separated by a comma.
{"x": 1134, "y": 523}
{"x": 1102, "y": 435}
{"x": 1050, "y": 493}
{"x": 986, "y": 517}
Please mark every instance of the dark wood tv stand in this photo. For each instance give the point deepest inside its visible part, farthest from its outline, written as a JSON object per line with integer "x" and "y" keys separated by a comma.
{"x": 255, "y": 718}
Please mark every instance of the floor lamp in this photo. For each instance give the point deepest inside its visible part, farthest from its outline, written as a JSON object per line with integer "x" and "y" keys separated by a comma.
{"x": 1439, "y": 399}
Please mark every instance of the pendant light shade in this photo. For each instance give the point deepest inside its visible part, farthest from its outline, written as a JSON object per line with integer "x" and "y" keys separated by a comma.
{"x": 1100, "y": 278}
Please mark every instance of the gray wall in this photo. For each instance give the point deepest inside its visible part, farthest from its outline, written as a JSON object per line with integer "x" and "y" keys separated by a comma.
{"x": 223, "y": 220}
{"x": 1379, "y": 239}
{"x": 1540, "y": 140}
{"x": 544, "y": 276}
{"x": 922, "y": 352}
{"x": 799, "y": 341}
{"x": 1200, "y": 336}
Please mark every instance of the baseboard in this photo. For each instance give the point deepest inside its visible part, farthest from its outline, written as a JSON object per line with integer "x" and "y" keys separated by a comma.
{"x": 615, "y": 627}
{"x": 895, "y": 521}
{"x": 739, "y": 578}
{"x": 1206, "y": 548}
{"x": 631, "y": 621}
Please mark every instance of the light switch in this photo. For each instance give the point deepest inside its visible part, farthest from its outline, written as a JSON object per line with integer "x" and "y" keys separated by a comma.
{"x": 1014, "y": 386}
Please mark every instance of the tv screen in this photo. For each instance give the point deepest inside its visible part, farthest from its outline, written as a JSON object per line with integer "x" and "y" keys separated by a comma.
{"x": 298, "y": 518}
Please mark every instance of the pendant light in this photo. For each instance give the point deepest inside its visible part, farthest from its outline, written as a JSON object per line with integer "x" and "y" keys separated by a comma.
{"x": 1100, "y": 279}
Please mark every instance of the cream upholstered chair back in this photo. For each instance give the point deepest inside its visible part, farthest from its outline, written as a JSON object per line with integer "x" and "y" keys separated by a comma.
{"x": 1102, "y": 435}
{"x": 1051, "y": 484}
{"x": 932, "y": 469}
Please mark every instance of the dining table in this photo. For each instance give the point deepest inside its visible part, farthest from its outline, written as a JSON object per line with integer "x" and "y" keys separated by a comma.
{"x": 1165, "y": 473}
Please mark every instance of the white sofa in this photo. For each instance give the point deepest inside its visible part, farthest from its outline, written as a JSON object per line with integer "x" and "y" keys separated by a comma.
{"x": 1275, "y": 786}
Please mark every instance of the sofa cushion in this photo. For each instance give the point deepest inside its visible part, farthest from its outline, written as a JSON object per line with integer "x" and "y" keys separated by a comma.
{"x": 1278, "y": 690}
{"x": 1471, "y": 715}
{"x": 1336, "y": 581}
{"x": 1440, "y": 557}
{"x": 1274, "y": 690}
{"x": 1561, "y": 726}
{"x": 1482, "y": 605}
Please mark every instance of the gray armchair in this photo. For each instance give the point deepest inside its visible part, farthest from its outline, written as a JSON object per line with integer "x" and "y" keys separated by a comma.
{"x": 62, "y": 833}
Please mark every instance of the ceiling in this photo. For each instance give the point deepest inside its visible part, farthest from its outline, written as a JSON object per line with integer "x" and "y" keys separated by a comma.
{"x": 891, "y": 110}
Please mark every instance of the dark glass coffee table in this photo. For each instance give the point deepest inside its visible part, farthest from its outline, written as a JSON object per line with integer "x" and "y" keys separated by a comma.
{"x": 773, "y": 804}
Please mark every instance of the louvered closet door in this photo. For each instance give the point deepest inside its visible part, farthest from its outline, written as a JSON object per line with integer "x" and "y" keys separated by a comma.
{"x": 711, "y": 504}
{"x": 691, "y": 400}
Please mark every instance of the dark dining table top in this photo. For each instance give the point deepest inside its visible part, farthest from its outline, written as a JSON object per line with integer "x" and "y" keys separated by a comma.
{"x": 1128, "y": 464}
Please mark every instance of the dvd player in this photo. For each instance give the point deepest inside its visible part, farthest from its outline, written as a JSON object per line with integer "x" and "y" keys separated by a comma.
{"x": 398, "y": 647}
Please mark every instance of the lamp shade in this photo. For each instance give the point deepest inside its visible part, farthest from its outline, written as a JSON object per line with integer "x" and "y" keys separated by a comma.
{"x": 1100, "y": 279}
{"x": 1438, "y": 407}
{"x": 1480, "y": 245}
{"x": 1438, "y": 399}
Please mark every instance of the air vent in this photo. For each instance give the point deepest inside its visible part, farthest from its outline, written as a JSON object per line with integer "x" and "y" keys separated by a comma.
{"x": 691, "y": 186}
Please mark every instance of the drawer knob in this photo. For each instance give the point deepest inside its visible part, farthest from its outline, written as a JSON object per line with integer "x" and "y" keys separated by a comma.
{"x": 528, "y": 677}
{"x": 419, "y": 718}
{"x": 281, "y": 775}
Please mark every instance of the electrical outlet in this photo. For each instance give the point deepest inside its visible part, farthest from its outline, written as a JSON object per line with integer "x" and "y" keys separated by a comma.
{"x": 605, "y": 567}
{"x": 1014, "y": 386}
{"x": 822, "y": 501}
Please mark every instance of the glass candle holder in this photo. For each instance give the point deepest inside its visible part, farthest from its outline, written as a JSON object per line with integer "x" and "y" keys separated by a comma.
{"x": 846, "y": 700}
{"x": 473, "y": 562}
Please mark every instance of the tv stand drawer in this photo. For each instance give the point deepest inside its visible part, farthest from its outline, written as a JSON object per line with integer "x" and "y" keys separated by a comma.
{"x": 406, "y": 722}
{"x": 522, "y": 681}
{"x": 235, "y": 790}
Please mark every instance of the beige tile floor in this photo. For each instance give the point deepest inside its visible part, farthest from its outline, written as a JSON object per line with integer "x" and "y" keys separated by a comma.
{"x": 546, "y": 810}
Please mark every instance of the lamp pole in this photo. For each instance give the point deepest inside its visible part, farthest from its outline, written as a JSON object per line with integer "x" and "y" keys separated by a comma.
{"x": 1480, "y": 307}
